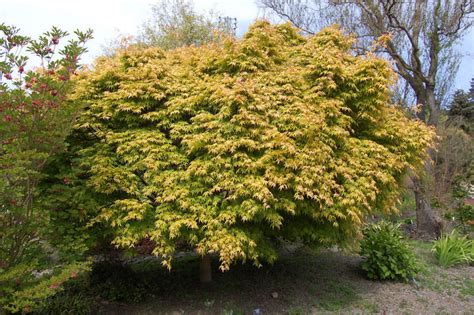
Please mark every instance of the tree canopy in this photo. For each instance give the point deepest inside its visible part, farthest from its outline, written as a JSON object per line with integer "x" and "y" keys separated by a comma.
{"x": 175, "y": 23}
{"x": 229, "y": 147}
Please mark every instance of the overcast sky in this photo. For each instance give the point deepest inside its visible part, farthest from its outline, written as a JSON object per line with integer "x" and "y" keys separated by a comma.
{"x": 109, "y": 18}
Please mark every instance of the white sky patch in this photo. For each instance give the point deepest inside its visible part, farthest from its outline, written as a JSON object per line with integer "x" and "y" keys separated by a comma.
{"x": 110, "y": 18}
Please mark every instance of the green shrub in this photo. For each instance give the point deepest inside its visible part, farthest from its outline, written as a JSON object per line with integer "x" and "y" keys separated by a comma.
{"x": 465, "y": 215}
{"x": 386, "y": 255}
{"x": 453, "y": 249}
{"x": 463, "y": 212}
{"x": 23, "y": 289}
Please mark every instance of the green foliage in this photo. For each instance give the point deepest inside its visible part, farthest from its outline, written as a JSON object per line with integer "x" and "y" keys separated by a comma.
{"x": 465, "y": 215}
{"x": 454, "y": 163}
{"x": 463, "y": 210}
{"x": 455, "y": 155}
{"x": 23, "y": 291}
{"x": 462, "y": 106}
{"x": 35, "y": 116}
{"x": 71, "y": 204}
{"x": 386, "y": 255}
{"x": 453, "y": 249}
{"x": 228, "y": 147}
{"x": 454, "y": 160}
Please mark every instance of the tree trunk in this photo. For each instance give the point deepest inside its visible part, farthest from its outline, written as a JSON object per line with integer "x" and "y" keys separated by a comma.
{"x": 427, "y": 223}
{"x": 433, "y": 108}
{"x": 205, "y": 270}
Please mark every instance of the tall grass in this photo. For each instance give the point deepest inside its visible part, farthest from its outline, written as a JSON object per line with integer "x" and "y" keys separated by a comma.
{"x": 453, "y": 249}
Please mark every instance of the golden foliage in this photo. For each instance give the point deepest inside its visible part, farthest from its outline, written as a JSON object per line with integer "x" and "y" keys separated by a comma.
{"x": 228, "y": 146}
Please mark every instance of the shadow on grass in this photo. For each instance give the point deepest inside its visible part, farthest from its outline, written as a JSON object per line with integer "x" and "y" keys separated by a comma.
{"x": 304, "y": 283}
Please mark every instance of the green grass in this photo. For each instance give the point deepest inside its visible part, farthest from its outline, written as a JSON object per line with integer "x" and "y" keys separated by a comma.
{"x": 369, "y": 308}
{"x": 233, "y": 312}
{"x": 421, "y": 245}
{"x": 337, "y": 296}
{"x": 403, "y": 304}
{"x": 422, "y": 300}
{"x": 468, "y": 288}
{"x": 434, "y": 277}
{"x": 297, "y": 311}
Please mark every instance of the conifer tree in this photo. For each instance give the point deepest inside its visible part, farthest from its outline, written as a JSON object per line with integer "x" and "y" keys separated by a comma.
{"x": 461, "y": 105}
{"x": 229, "y": 147}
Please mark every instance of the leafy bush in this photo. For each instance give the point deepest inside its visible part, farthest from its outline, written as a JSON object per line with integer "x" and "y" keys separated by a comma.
{"x": 35, "y": 118}
{"x": 463, "y": 212}
{"x": 386, "y": 254}
{"x": 465, "y": 215}
{"x": 26, "y": 288}
{"x": 453, "y": 249}
{"x": 463, "y": 218}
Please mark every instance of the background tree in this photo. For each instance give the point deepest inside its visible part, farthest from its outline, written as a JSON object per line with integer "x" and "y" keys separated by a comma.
{"x": 175, "y": 23}
{"x": 35, "y": 119}
{"x": 227, "y": 148}
{"x": 419, "y": 37}
{"x": 471, "y": 89}
{"x": 453, "y": 160}
{"x": 462, "y": 106}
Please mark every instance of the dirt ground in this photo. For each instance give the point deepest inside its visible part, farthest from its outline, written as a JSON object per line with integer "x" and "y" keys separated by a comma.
{"x": 303, "y": 282}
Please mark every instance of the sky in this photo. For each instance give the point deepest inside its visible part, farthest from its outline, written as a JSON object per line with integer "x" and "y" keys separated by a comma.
{"x": 111, "y": 18}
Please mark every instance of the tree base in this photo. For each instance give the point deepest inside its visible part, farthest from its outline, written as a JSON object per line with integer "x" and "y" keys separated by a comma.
{"x": 427, "y": 225}
{"x": 205, "y": 269}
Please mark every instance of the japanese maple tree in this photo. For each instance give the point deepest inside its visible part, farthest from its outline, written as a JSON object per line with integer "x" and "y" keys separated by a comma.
{"x": 231, "y": 146}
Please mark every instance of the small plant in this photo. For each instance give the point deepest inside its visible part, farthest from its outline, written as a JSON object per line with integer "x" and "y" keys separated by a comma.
{"x": 453, "y": 249}
{"x": 386, "y": 255}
